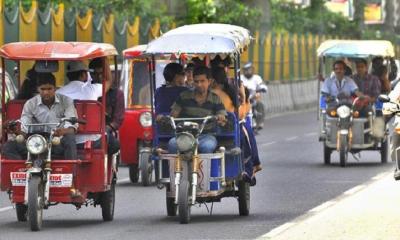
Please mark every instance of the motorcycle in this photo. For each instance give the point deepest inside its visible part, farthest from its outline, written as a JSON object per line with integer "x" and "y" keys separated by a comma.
{"x": 39, "y": 143}
{"x": 257, "y": 108}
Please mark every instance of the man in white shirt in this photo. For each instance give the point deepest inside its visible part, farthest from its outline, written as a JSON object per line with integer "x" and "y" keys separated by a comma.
{"x": 255, "y": 84}
{"x": 80, "y": 87}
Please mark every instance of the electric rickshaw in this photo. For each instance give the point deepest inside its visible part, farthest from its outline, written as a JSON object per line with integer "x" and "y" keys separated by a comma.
{"x": 189, "y": 177}
{"x": 136, "y": 133}
{"x": 41, "y": 180}
{"x": 343, "y": 127}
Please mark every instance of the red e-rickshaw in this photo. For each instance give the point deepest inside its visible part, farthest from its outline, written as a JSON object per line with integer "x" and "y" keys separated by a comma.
{"x": 136, "y": 131}
{"x": 36, "y": 184}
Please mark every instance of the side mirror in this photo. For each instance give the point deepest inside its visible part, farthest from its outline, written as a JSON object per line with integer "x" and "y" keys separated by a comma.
{"x": 384, "y": 98}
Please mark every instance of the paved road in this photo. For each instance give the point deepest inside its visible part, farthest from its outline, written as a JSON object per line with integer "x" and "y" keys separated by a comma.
{"x": 293, "y": 181}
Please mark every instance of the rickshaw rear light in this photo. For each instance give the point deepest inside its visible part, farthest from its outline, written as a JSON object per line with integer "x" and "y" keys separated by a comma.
{"x": 356, "y": 114}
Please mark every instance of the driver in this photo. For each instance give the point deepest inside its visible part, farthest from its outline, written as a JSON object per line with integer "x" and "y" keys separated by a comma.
{"x": 48, "y": 106}
{"x": 196, "y": 103}
{"x": 339, "y": 85}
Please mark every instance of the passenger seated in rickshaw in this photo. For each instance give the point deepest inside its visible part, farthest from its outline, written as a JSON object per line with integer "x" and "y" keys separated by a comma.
{"x": 174, "y": 85}
{"x": 199, "y": 102}
{"x": 381, "y": 71}
{"x": 228, "y": 96}
{"x": 80, "y": 87}
{"x": 368, "y": 84}
{"x": 115, "y": 105}
{"x": 339, "y": 86}
{"x": 46, "y": 107}
{"x": 29, "y": 86}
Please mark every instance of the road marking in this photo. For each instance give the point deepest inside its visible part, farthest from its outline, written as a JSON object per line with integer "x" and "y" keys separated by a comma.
{"x": 291, "y": 138}
{"x": 267, "y": 144}
{"x": 323, "y": 206}
{"x": 354, "y": 190}
{"x": 5, "y": 209}
{"x": 123, "y": 180}
{"x": 380, "y": 176}
{"x": 276, "y": 231}
{"x": 311, "y": 134}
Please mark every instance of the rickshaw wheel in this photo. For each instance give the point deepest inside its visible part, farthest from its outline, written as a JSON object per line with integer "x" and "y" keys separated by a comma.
{"x": 146, "y": 168}
{"x": 22, "y": 212}
{"x": 134, "y": 173}
{"x": 183, "y": 202}
{"x": 108, "y": 203}
{"x": 35, "y": 203}
{"x": 244, "y": 198}
{"x": 327, "y": 155}
{"x": 343, "y": 150}
{"x": 384, "y": 150}
{"x": 171, "y": 206}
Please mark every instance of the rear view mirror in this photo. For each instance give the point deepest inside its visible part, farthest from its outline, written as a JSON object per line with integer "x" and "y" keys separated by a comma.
{"x": 384, "y": 98}
{"x": 45, "y": 66}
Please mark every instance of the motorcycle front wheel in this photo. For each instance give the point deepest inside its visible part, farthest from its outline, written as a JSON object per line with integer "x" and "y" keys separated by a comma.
{"x": 183, "y": 201}
{"x": 35, "y": 203}
{"x": 343, "y": 150}
{"x": 146, "y": 168}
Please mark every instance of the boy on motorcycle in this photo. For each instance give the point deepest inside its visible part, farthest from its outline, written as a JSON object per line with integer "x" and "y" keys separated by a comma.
{"x": 46, "y": 107}
{"x": 256, "y": 85}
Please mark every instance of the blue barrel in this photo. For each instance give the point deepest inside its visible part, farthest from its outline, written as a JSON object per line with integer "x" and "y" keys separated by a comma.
{"x": 215, "y": 172}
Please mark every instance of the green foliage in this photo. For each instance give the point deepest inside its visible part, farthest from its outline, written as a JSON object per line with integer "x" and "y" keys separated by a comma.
{"x": 221, "y": 11}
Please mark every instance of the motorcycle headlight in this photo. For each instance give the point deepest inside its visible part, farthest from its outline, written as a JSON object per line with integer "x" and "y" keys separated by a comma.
{"x": 36, "y": 144}
{"x": 185, "y": 142}
{"x": 145, "y": 119}
{"x": 343, "y": 111}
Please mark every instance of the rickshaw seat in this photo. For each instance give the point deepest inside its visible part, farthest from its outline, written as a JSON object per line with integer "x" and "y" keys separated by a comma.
{"x": 14, "y": 109}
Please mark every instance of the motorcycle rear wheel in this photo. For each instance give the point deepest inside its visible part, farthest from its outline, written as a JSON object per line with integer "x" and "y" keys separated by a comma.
{"x": 35, "y": 203}
{"x": 146, "y": 168}
{"x": 244, "y": 198}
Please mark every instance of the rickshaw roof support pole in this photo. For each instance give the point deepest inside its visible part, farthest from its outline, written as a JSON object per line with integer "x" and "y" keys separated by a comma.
{"x": 237, "y": 83}
{"x": 321, "y": 63}
{"x": 103, "y": 102}
{"x": 3, "y": 91}
{"x": 152, "y": 67}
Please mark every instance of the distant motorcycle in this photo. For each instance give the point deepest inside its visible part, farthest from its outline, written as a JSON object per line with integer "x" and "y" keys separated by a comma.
{"x": 258, "y": 108}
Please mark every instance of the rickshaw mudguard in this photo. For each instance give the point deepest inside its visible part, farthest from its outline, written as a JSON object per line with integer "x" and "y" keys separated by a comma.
{"x": 131, "y": 133}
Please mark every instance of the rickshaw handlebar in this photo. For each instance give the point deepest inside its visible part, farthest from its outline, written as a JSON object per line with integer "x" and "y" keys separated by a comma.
{"x": 204, "y": 120}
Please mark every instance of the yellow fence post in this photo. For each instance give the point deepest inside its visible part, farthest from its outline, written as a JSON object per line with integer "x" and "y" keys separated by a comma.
{"x": 133, "y": 33}
{"x": 296, "y": 73}
{"x": 57, "y": 34}
{"x": 84, "y": 27}
{"x": 267, "y": 57}
{"x": 1, "y": 23}
{"x": 286, "y": 56}
{"x": 256, "y": 52}
{"x": 27, "y": 32}
{"x": 154, "y": 31}
{"x": 278, "y": 54}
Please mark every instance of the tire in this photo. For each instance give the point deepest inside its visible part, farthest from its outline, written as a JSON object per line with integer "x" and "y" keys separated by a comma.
{"x": 35, "y": 203}
{"x": 343, "y": 150}
{"x": 244, "y": 198}
{"x": 170, "y": 202}
{"x": 146, "y": 168}
{"x": 108, "y": 204}
{"x": 385, "y": 150}
{"x": 183, "y": 202}
{"x": 327, "y": 155}
{"x": 134, "y": 173}
{"x": 22, "y": 212}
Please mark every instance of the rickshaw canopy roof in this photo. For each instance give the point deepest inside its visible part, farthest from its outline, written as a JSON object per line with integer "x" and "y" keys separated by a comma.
{"x": 56, "y": 50}
{"x": 201, "y": 39}
{"x": 135, "y": 51}
{"x": 356, "y": 48}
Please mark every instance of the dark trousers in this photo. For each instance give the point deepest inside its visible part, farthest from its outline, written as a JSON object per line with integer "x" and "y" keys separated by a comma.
{"x": 18, "y": 151}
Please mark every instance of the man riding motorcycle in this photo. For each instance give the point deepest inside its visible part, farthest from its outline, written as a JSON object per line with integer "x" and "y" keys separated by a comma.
{"x": 256, "y": 85}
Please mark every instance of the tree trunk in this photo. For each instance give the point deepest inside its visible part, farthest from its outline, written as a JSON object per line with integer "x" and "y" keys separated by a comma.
{"x": 265, "y": 19}
{"x": 359, "y": 17}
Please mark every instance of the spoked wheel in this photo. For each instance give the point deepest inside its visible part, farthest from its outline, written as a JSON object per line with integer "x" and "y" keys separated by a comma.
{"x": 134, "y": 173}
{"x": 146, "y": 168}
{"x": 327, "y": 155}
{"x": 22, "y": 212}
{"x": 244, "y": 198}
{"x": 183, "y": 201}
{"x": 108, "y": 203}
{"x": 171, "y": 206}
{"x": 35, "y": 203}
{"x": 343, "y": 150}
{"x": 385, "y": 150}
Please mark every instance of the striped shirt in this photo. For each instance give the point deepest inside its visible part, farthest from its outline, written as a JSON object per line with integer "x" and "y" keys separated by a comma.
{"x": 188, "y": 107}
